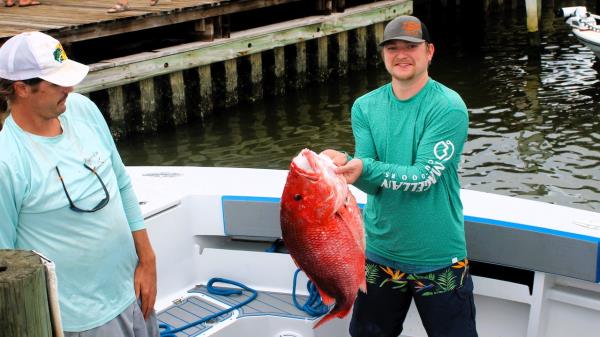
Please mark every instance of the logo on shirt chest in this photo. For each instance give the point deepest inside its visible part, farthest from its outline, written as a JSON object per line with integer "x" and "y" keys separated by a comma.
{"x": 95, "y": 160}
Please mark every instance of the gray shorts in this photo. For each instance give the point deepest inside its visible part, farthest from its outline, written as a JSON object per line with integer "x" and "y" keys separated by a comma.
{"x": 130, "y": 323}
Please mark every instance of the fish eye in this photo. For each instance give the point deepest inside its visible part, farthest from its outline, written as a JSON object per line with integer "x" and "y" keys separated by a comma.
{"x": 297, "y": 197}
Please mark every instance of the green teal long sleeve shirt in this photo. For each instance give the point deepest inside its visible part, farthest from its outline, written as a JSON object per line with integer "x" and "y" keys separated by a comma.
{"x": 411, "y": 152}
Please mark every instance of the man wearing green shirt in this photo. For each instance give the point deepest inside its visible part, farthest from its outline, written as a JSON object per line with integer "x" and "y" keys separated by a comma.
{"x": 409, "y": 135}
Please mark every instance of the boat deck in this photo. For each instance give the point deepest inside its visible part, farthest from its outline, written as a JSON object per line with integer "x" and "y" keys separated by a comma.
{"x": 201, "y": 303}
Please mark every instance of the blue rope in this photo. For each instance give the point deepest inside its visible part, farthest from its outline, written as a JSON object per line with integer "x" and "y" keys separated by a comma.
{"x": 170, "y": 331}
{"x": 314, "y": 304}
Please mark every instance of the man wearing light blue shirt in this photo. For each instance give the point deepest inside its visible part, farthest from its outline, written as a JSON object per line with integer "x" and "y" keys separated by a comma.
{"x": 64, "y": 192}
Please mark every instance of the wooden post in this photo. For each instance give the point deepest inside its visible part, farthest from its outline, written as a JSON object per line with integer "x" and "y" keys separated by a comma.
{"x": 256, "y": 76}
{"x": 342, "y": 41}
{"x": 206, "y": 95}
{"x": 205, "y": 29}
{"x": 374, "y": 36}
{"x": 486, "y": 6}
{"x": 322, "y": 64}
{"x": 116, "y": 110}
{"x": 378, "y": 29}
{"x": 231, "y": 83}
{"x": 300, "y": 64}
{"x": 222, "y": 27}
{"x": 279, "y": 70}
{"x": 533, "y": 14}
{"x": 148, "y": 105}
{"x": 178, "y": 97}
{"x": 324, "y": 7}
{"x": 339, "y": 5}
{"x": 360, "y": 47}
{"x": 24, "y": 307}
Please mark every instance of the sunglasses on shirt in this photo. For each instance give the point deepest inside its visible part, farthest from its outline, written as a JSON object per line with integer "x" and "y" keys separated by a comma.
{"x": 72, "y": 205}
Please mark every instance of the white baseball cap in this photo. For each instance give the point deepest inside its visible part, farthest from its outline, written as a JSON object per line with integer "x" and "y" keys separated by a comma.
{"x": 34, "y": 54}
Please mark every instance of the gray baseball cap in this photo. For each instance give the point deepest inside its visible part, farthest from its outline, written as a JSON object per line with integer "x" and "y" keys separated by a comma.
{"x": 405, "y": 28}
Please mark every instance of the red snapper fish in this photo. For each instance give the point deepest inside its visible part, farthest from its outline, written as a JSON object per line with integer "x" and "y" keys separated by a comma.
{"x": 323, "y": 231}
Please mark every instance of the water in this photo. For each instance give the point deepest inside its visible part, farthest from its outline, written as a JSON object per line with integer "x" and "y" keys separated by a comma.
{"x": 534, "y": 114}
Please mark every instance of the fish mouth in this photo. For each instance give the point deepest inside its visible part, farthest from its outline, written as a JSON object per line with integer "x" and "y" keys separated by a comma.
{"x": 306, "y": 164}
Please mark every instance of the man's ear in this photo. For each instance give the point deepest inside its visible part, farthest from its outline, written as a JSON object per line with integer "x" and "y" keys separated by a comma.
{"x": 21, "y": 89}
{"x": 430, "y": 49}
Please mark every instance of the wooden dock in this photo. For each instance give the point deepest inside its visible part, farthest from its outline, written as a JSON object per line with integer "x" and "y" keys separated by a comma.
{"x": 75, "y": 20}
{"x": 235, "y": 51}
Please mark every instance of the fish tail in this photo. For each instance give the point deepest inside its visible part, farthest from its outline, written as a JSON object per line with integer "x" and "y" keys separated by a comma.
{"x": 335, "y": 312}
{"x": 325, "y": 318}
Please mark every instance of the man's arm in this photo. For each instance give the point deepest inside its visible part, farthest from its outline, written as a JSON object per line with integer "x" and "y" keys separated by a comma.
{"x": 364, "y": 147}
{"x": 144, "y": 278}
{"x": 145, "y": 272}
{"x": 438, "y": 149}
{"x": 8, "y": 209}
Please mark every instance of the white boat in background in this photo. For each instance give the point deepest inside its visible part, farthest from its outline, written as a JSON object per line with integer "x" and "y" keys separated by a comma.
{"x": 584, "y": 26}
{"x": 541, "y": 261}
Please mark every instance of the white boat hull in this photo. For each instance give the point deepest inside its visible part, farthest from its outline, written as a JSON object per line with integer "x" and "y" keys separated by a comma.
{"x": 190, "y": 223}
{"x": 590, "y": 39}
{"x": 585, "y": 26}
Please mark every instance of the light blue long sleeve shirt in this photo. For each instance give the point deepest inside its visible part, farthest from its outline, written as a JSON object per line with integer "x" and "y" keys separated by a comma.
{"x": 94, "y": 252}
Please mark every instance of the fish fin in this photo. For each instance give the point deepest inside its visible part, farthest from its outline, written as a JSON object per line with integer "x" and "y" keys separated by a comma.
{"x": 327, "y": 300}
{"x": 343, "y": 313}
{"x": 325, "y": 318}
{"x": 350, "y": 217}
{"x": 333, "y": 313}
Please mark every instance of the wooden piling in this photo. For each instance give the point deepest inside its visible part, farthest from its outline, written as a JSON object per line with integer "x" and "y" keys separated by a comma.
{"x": 486, "y": 6}
{"x": 342, "y": 53}
{"x": 378, "y": 29}
{"x": 231, "y": 83}
{"x": 116, "y": 110}
{"x": 24, "y": 309}
{"x": 301, "y": 76}
{"x": 148, "y": 105}
{"x": 279, "y": 71}
{"x": 204, "y": 29}
{"x": 206, "y": 90}
{"x": 339, "y": 5}
{"x": 532, "y": 8}
{"x": 178, "y": 97}
{"x": 374, "y": 36}
{"x": 360, "y": 48}
{"x": 322, "y": 55}
{"x": 324, "y": 6}
{"x": 256, "y": 77}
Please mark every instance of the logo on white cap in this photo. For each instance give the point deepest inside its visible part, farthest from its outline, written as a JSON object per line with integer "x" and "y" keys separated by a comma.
{"x": 59, "y": 53}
